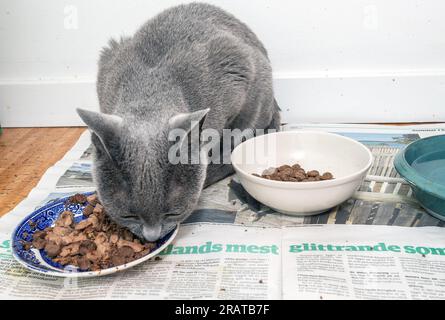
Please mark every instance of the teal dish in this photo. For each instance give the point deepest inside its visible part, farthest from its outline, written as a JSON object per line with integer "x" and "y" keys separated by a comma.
{"x": 422, "y": 165}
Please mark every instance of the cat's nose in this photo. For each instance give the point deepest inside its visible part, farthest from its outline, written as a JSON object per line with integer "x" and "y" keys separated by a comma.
{"x": 151, "y": 233}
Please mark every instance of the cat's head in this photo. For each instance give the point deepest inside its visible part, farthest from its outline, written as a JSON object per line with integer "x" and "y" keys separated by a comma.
{"x": 137, "y": 184}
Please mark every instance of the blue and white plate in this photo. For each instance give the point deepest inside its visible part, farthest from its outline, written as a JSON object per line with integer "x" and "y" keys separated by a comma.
{"x": 37, "y": 260}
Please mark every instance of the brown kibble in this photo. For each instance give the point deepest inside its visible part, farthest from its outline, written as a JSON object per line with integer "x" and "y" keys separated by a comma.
{"x": 117, "y": 260}
{"x": 65, "y": 219}
{"x": 94, "y": 243}
{"x": 284, "y": 167}
{"x": 39, "y": 243}
{"x": 95, "y": 222}
{"x": 327, "y": 176}
{"x": 95, "y": 267}
{"x": 313, "y": 173}
{"x": 52, "y": 249}
{"x": 63, "y": 260}
{"x": 149, "y": 246}
{"x": 101, "y": 237}
{"x": 87, "y": 246}
{"x": 83, "y": 224}
{"x": 127, "y": 235}
{"x": 92, "y": 199}
{"x": 125, "y": 252}
{"x": 98, "y": 208}
{"x": 294, "y": 173}
{"x": 77, "y": 199}
{"x": 287, "y": 171}
{"x": 70, "y": 250}
{"x": 114, "y": 238}
{"x": 26, "y": 245}
{"x": 88, "y": 210}
{"x": 299, "y": 176}
{"x": 39, "y": 235}
{"x": 301, "y": 171}
{"x": 124, "y": 243}
{"x": 83, "y": 263}
{"x": 59, "y": 231}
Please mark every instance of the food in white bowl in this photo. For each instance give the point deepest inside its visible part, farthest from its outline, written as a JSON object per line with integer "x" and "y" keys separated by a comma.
{"x": 293, "y": 173}
{"x": 348, "y": 160}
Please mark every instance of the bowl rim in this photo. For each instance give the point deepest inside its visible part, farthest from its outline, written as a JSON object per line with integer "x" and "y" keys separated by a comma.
{"x": 412, "y": 176}
{"x": 309, "y": 184}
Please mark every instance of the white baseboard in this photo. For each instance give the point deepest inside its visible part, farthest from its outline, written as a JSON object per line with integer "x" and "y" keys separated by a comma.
{"x": 45, "y": 103}
{"x": 303, "y": 97}
{"x": 363, "y": 97}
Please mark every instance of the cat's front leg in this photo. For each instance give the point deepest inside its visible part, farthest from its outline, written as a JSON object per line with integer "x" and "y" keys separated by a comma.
{"x": 217, "y": 172}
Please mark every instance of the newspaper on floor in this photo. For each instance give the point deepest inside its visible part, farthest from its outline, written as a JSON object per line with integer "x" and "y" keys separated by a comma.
{"x": 268, "y": 255}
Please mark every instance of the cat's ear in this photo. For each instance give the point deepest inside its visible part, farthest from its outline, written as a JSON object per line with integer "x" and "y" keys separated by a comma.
{"x": 105, "y": 129}
{"x": 188, "y": 122}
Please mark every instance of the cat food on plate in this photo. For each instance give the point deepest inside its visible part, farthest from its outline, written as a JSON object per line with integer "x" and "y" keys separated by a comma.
{"x": 92, "y": 244}
{"x": 294, "y": 173}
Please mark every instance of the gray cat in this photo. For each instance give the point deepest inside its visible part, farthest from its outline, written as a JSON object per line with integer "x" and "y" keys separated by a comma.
{"x": 192, "y": 62}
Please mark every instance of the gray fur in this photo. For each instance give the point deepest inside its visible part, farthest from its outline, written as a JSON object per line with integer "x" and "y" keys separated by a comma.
{"x": 183, "y": 61}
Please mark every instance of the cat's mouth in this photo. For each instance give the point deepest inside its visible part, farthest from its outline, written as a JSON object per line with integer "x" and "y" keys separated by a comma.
{"x": 151, "y": 233}
{"x": 154, "y": 233}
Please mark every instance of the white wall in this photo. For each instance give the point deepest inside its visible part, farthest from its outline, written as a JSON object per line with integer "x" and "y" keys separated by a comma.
{"x": 342, "y": 60}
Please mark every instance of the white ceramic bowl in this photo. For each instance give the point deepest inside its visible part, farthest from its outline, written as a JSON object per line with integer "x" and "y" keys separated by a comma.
{"x": 347, "y": 159}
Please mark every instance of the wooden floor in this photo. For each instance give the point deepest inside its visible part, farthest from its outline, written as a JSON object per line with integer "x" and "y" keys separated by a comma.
{"x": 25, "y": 155}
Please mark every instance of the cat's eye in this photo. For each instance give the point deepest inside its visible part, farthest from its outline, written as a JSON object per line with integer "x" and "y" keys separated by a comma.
{"x": 129, "y": 216}
{"x": 170, "y": 215}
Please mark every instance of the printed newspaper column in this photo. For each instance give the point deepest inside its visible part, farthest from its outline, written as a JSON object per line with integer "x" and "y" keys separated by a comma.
{"x": 363, "y": 262}
{"x": 224, "y": 261}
